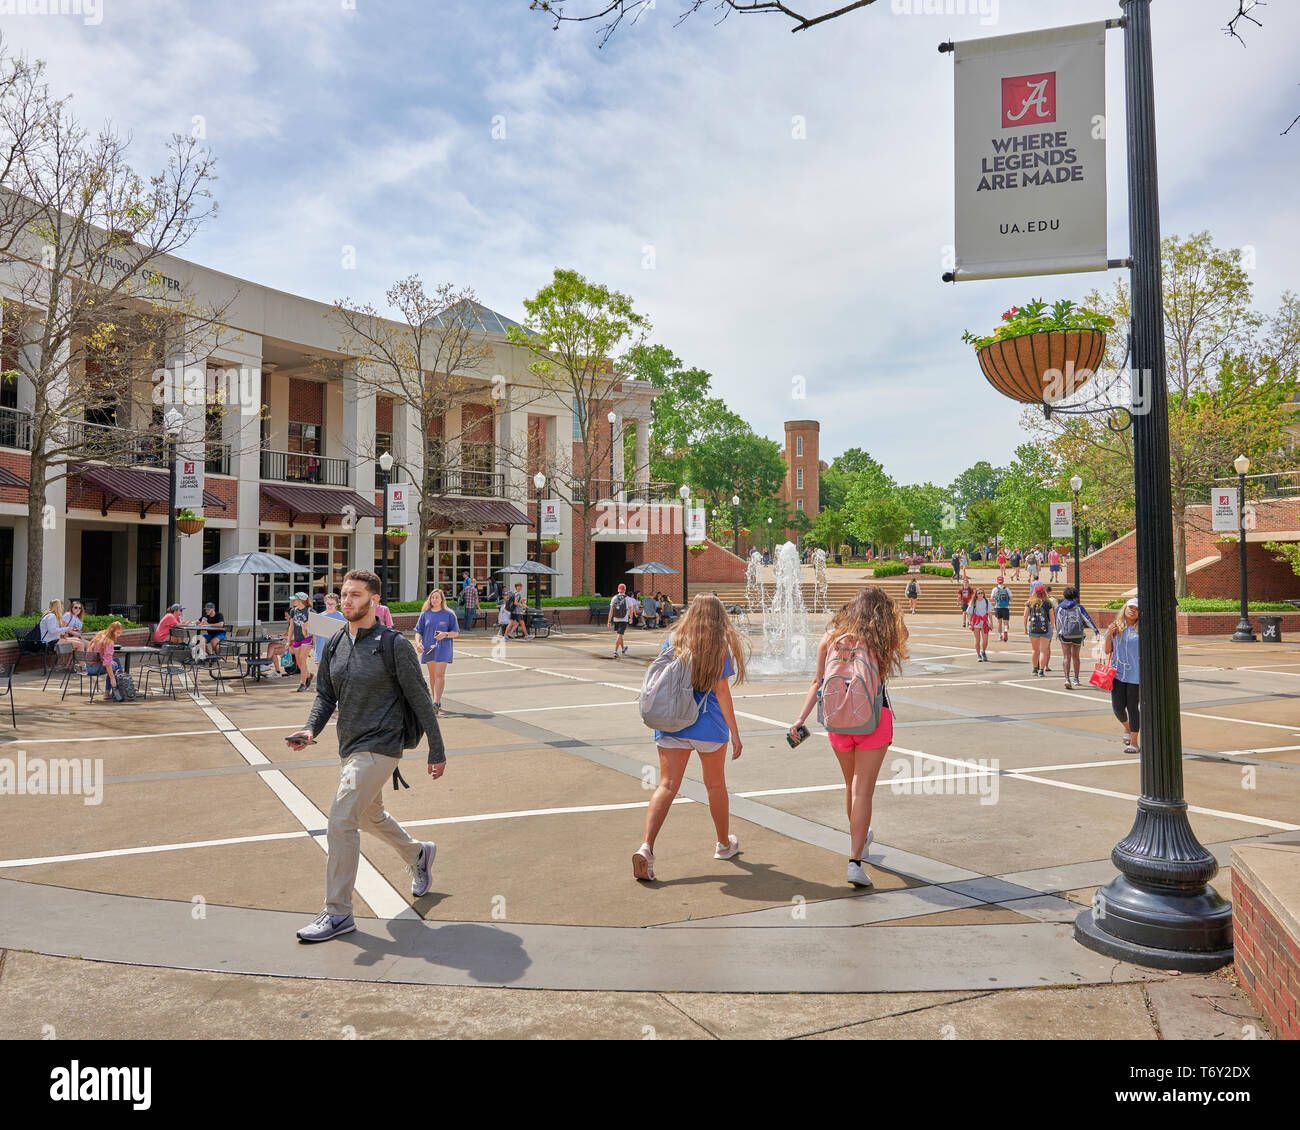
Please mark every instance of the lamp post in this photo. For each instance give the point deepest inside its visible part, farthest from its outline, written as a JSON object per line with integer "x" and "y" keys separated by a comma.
{"x": 1087, "y": 540}
{"x": 925, "y": 541}
{"x": 611, "y": 418}
{"x": 1244, "y": 633}
{"x": 685, "y": 493}
{"x": 172, "y": 421}
{"x": 770, "y": 547}
{"x": 1076, "y": 484}
{"x": 1160, "y": 911}
{"x": 385, "y": 465}
{"x": 539, "y": 481}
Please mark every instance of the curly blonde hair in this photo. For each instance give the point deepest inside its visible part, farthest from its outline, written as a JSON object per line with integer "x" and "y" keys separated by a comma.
{"x": 872, "y": 617}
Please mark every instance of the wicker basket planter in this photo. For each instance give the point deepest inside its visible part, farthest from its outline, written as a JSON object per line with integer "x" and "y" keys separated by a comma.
{"x": 189, "y": 525}
{"x": 395, "y": 537}
{"x": 1042, "y": 368}
{"x": 550, "y": 546}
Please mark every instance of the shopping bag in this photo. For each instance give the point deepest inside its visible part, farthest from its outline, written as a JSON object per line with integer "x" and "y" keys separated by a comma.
{"x": 1103, "y": 675}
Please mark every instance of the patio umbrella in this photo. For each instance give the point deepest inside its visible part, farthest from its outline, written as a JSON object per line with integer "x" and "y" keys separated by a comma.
{"x": 652, "y": 567}
{"x": 531, "y": 567}
{"x": 256, "y": 563}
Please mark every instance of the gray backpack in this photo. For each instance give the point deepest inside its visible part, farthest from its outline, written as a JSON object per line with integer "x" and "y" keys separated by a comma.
{"x": 667, "y": 701}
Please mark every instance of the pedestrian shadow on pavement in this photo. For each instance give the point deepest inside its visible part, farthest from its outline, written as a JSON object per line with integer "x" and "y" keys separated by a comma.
{"x": 489, "y": 954}
{"x": 755, "y": 882}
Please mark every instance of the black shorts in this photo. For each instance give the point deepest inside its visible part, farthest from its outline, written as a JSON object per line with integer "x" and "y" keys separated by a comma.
{"x": 516, "y": 615}
{"x": 620, "y": 626}
{"x": 1002, "y": 613}
{"x": 1071, "y": 639}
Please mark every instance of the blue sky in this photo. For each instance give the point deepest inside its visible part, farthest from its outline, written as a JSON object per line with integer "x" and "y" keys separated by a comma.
{"x": 370, "y": 125}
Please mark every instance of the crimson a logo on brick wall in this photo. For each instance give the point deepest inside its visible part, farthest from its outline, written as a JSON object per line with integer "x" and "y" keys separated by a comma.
{"x": 1029, "y": 100}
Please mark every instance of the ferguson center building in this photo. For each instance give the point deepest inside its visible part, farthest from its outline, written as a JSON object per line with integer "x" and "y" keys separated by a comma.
{"x": 290, "y": 463}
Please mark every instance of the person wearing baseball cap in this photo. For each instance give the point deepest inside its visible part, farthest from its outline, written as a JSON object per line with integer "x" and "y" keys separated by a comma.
{"x": 299, "y": 639}
{"x": 1121, "y": 645}
{"x": 1000, "y": 595}
{"x": 162, "y": 633}
{"x": 213, "y": 619}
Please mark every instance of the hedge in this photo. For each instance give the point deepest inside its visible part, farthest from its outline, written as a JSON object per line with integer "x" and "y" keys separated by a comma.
{"x": 1210, "y": 604}
{"x": 937, "y": 570}
{"x": 15, "y": 627}
{"x": 889, "y": 569}
{"x": 547, "y": 602}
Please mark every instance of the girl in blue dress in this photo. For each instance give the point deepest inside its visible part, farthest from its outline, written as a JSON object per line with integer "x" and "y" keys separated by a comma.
{"x": 434, "y": 631}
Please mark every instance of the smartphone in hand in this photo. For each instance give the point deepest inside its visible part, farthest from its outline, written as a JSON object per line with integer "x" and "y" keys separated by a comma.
{"x": 799, "y": 735}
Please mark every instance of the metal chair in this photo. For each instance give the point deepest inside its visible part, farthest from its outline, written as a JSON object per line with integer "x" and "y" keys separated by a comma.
{"x": 60, "y": 650}
{"x": 7, "y": 674}
{"x": 167, "y": 664}
{"x": 229, "y": 666}
{"x": 81, "y": 671}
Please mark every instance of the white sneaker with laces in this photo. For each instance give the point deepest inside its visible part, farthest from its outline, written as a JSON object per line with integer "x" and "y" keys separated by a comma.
{"x": 729, "y": 850}
{"x": 421, "y": 880}
{"x": 857, "y": 875}
{"x": 327, "y": 926}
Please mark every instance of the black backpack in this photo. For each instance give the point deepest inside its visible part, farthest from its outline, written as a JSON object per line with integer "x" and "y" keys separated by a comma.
{"x": 32, "y": 640}
{"x": 1038, "y": 617}
{"x": 509, "y": 603}
{"x": 619, "y": 606}
{"x": 412, "y": 729}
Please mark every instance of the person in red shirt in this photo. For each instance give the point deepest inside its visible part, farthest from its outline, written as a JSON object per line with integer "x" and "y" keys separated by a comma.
{"x": 965, "y": 594}
{"x": 1002, "y": 560}
{"x": 172, "y": 620}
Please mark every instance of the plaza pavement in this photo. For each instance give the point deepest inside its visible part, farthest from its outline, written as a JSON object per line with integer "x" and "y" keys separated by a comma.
{"x": 184, "y": 887}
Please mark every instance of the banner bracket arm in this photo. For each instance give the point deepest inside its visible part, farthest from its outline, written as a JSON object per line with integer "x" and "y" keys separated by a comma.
{"x": 1111, "y": 264}
{"x": 944, "y": 48}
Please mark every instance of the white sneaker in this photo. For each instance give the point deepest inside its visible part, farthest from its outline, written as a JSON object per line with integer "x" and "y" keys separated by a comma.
{"x": 421, "y": 880}
{"x": 643, "y": 863}
{"x": 857, "y": 875}
{"x": 729, "y": 850}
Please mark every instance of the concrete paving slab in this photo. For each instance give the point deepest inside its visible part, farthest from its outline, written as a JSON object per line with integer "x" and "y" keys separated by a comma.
{"x": 851, "y": 910}
{"x": 1192, "y": 1007}
{"x": 1110, "y": 1012}
{"x": 967, "y": 916}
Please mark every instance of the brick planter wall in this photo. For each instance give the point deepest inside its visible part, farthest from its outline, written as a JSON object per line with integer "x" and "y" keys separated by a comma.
{"x": 131, "y": 637}
{"x": 1210, "y": 623}
{"x": 1265, "y": 933}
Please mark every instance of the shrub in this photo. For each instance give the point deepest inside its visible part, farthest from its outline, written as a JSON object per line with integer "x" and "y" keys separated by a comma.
{"x": 937, "y": 570}
{"x": 15, "y": 627}
{"x": 888, "y": 569}
{"x": 1213, "y": 604}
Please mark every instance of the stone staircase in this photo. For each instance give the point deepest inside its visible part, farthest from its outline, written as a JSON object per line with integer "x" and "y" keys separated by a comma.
{"x": 939, "y": 594}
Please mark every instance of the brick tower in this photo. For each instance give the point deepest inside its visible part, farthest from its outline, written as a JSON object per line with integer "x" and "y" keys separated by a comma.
{"x": 803, "y": 469}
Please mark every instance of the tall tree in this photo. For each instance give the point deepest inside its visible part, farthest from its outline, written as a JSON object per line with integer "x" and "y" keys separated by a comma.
{"x": 974, "y": 483}
{"x": 881, "y": 521}
{"x": 574, "y": 329}
{"x": 1024, "y": 494}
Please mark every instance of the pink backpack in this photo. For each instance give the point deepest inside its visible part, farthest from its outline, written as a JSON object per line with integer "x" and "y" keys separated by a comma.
{"x": 852, "y": 692}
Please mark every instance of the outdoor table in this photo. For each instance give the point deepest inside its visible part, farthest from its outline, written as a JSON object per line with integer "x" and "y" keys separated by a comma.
{"x": 128, "y": 652}
{"x": 253, "y": 648}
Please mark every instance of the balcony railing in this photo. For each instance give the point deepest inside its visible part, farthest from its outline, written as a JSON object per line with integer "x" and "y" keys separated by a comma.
{"x": 300, "y": 467}
{"x": 15, "y": 429}
{"x": 471, "y": 484}
{"x": 607, "y": 489}
{"x": 216, "y": 458}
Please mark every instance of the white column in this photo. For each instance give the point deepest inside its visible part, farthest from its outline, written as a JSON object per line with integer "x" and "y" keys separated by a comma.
{"x": 54, "y": 521}
{"x": 242, "y": 430}
{"x": 358, "y": 440}
{"x": 642, "y": 474}
{"x": 620, "y": 424}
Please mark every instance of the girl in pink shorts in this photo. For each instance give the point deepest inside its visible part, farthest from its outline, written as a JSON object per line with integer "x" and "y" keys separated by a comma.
{"x": 871, "y": 621}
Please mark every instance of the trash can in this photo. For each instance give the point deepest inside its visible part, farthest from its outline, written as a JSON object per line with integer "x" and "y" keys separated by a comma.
{"x": 1270, "y": 629}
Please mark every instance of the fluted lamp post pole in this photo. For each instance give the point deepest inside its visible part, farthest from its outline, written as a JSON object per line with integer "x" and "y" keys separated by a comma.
{"x": 735, "y": 524}
{"x": 1076, "y": 484}
{"x": 1244, "y": 632}
{"x": 386, "y": 465}
{"x": 685, "y": 493}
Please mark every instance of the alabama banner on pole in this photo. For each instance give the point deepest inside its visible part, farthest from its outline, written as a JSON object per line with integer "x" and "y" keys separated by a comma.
{"x": 1031, "y": 153}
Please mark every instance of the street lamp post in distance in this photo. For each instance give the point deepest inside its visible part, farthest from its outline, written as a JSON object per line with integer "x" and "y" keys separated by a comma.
{"x": 685, "y": 493}
{"x": 1076, "y": 485}
{"x": 1244, "y": 632}
{"x": 386, "y": 465}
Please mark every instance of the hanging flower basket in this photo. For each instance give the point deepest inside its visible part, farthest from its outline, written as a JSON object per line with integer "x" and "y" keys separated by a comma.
{"x": 550, "y": 545}
{"x": 396, "y": 536}
{"x": 698, "y": 548}
{"x": 189, "y": 523}
{"x": 1040, "y": 368}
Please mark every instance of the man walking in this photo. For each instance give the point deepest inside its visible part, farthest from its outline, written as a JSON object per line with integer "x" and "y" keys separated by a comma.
{"x": 620, "y": 612}
{"x": 354, "y": 678}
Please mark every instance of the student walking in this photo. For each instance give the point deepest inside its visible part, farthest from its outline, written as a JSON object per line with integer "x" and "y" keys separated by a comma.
{"x": 965, "y": 595}
{"x": 1038, "y": 627}
{"x": 1070, "y": 619}
{"x": 706, "y": 641}
{"x": 1054, "y": 563}
{"x": 1015, "y": 564}
{"x": 913, "y": 591}
{"x": 1122, "y": 646}
{"x": 436, "y": 627}
{"x": 332, "y": 613}
{"x": 355, "y": 679}
{"x": 1001, "y": 598}
{"x": 620, "y": 613}
{"x": 298, "y": 639}
{"x": 864, "y": 644}
{"x": 981, "y": 618}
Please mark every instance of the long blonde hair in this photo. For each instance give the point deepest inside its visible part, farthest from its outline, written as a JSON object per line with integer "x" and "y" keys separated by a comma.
{"x": 108, "y": 635}
{"x": 56, "y": 606}
{"x": 428, "y": 601}
{"x": 706, "y": 634}
{"x": 872, "y": 617}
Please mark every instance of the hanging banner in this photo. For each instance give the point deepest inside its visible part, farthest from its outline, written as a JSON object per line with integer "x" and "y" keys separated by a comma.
{"x": 189, "y": 484}
{"x": 1062, "y": 519}
{"x": 1031, "y": 153}
{"x": 695, "y": 527}
{"x": 551, "y": 518}
{"x": 397, "y": 514}
{"x": 1223, "y": 510}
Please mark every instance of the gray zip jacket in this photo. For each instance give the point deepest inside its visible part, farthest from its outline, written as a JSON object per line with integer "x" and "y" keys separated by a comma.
{"x": 370, "y": 713}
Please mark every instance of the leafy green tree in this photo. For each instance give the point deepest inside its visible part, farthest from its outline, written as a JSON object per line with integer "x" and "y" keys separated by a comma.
{"x": 881, "y": 521}
{"x": 729, "y": 459}
{"x": 979, "y": 481}
{"x": 680, "y": 414}
{"x": 574, "y": 328}
{"x": 1023, "y": 496}
{"x": 984, "y": 520}
{"x": 829, "y": 529}
{"x": 833, "y": 488}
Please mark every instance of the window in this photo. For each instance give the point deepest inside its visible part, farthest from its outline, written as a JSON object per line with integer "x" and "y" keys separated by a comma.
{"x": 798, "y": 445}
{"x": 304, "y": 437}
{"x": 798, "y": 479}
{"x": 383, "y": 442}
{"x": 9, "y": 347}
{"x": 577, "y": 424}
{"x": 304, "y": 446}
{"x": 452, "y": 558}
{"x": 798, "y": 503}
{"x": 326, "y": 555}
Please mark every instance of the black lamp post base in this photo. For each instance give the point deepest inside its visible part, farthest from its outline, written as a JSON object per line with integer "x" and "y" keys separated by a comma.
{"x": 1244, "y": 633}
{"x": 1158, "y": 928}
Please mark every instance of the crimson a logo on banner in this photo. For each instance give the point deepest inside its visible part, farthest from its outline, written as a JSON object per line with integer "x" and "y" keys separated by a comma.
{"x": 1225, "y": 500}
{"x": 1029, "y": 100}
{"x": 189, "y": 469}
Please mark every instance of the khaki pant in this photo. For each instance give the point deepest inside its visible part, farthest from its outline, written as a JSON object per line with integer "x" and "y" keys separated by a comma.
{"x": 360, "y": 803}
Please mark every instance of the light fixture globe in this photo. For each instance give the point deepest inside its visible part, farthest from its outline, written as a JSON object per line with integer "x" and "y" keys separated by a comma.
{"x": 611, "y": 418}
{"x": 539, "y": 480}
{"x": 1076, "y": 484}
{"x": 685, "y": 492}
{"x": 1242, "y": 464}
{"x": 386, "y": 462}
{"x": 735, "y": 500}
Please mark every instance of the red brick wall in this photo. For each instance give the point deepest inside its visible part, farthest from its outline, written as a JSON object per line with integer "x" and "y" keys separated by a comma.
{"x": 306, "y": 402}
{"x": 20, "y": 463}
{"x": 384, "y": 414}
{"x": 1267, "y": 959}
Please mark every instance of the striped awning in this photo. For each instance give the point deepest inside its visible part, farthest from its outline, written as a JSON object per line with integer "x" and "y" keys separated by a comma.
{"x": 132, "y": 485}
{"x": 475, "y": 513}
{"x": 319, "y": 502}
{"x": 9, "y": 479}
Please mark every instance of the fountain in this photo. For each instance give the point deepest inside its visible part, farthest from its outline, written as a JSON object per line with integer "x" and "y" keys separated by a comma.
{"x": 755, "y": 593}
{"x": 821, "y": 585}
{"x": 786, "y": 645}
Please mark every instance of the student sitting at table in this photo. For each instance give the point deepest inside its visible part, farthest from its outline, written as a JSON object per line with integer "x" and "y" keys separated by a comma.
{"x": 105, "y": 642}
{"x": 162, "y": 633}
{"x": 213, "y": 619}
{"x": 53, "y": 631}
{"x": 72, "y": 625}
